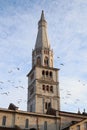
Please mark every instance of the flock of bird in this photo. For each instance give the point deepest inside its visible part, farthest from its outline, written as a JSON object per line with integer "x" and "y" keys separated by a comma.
{"x": 67, "y": 95}
{"x": 4, "y": 91}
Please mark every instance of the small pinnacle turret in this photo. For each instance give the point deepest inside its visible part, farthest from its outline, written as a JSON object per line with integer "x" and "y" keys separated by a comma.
{"x": 42, "y": 16}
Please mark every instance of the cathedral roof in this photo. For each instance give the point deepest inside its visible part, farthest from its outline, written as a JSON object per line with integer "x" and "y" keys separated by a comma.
{"x": 42, "y": 38}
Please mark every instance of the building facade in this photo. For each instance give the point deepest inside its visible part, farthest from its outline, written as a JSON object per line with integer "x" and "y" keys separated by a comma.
{"x": 43, "y": 104}
{"x": 82, "y": 125}
{"x": 23, "y": 120}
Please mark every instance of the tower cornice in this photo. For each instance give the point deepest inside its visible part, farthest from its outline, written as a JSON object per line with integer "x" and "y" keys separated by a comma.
{"x": 44, "y": 67}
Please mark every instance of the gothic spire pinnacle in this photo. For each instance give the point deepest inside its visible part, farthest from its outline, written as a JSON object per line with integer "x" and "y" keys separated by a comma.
{"x": 42, "y": 16}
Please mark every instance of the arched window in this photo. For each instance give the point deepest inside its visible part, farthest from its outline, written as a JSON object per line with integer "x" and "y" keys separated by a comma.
{"x": 44, "y": 52}
{"x": 51, "y": 74}
{"x": 26, "y": 123}
{"x": 43, "y": 72}
{"x": 4, "y": 120}
{"x": 47, "y": 73}
{"x": 38, "y": 61}
{"x": 47, "y": 88}
{"x": 49, "y": 105}
{"x": 85, "y": 125}
{"x": 45, "y": 125}
{"x": 46, "y": 61}
{"x": 51, "y": 88}
{"x": 43, "y": 87}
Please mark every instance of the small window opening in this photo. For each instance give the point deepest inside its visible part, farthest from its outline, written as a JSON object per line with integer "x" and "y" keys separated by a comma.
{"x": 43, "y": 72}
{"x": 47, "y": 88}
{"x": 46, "y": 73}
{"x": 26, "y": 123}
{"x": 4, "y": 121}
{"x": 43, "y": 87}
{"x": 50, "y": 74}
{"x": 51, "y": 88}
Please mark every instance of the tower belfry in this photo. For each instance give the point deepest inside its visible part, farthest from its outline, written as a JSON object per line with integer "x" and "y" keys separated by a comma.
{"x": 43, "y": 84}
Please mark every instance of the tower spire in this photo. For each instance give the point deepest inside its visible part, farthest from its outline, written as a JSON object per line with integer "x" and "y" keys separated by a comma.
{"x": 42, "y": 38}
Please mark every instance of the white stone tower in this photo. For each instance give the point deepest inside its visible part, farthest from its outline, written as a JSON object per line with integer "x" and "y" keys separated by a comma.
{"x": 43, "y": 84}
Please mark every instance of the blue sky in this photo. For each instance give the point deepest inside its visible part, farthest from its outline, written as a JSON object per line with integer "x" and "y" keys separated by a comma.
{"x": 67, "y": 31}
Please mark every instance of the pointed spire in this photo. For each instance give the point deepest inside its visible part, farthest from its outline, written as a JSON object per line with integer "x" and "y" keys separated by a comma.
{"x": 42, "y": 38}
{"x": 42, "y": 20}
{"x": 42, "y": 16}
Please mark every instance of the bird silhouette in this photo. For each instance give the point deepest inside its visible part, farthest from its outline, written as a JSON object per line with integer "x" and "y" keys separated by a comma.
{"x": 10, "y": 71}
{"x": 68, "y": 93}
{"x": 21, "y": 87}
{"x": 16, "y": 87}
{"x": 62, "y": 64}
{"x": 9, "y": 81}
{"x": 83, "y": 84}
{"x": 5, "y": 93}
{"x": 1, "y": 82}
{"x": 18, "y": 68}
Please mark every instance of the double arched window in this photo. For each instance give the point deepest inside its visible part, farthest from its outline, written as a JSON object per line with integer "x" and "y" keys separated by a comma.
{"x": 47, "y": 105}
{"x": 46, "y": 61}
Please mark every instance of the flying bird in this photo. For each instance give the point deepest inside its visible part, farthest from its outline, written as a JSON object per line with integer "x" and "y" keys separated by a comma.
{"x": 65, "y": 102}
{"x": 9, "y": 81}
{"x": 21, "y": 87}
{"x": 16, "y": 87}
{"x": 5, "y": 93}
{"x": 62, "y": 64}
{"x": 68, "y": 93}
{"x": 83, "y": 84}
{"x": 10, "y": 71}
{"x": 18, "y": 68}
{"x": 19, "y": 81}
{"x": 1, "y": 82}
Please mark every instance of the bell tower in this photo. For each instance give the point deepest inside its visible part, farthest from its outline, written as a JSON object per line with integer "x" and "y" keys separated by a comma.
{"x": 43, "y": 84}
